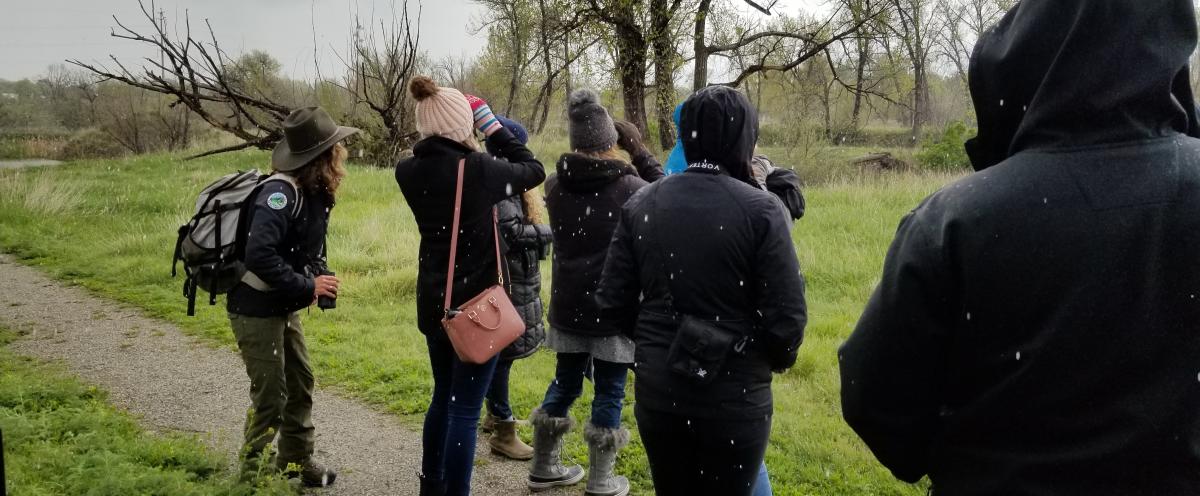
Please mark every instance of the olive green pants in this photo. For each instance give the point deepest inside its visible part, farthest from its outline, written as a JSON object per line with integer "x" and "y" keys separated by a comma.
{"x": 281, "y": 386}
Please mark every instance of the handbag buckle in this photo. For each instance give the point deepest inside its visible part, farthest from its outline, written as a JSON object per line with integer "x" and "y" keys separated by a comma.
{"x": 472, "y": 315}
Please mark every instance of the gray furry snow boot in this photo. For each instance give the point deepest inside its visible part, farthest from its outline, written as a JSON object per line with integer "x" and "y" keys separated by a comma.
{"x": 547, "y": 470}
{"x": 603, "y": 445}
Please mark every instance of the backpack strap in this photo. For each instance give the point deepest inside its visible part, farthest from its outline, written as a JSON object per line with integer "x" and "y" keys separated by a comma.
{"x": 288, "y": 178}
{"x": 251, "y": 279}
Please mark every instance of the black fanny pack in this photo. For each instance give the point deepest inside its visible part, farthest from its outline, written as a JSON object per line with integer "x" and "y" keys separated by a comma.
{"x": 701, "y": 348}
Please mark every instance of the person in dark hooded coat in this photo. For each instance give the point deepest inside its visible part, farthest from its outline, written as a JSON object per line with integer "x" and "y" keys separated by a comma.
{"x": 1034, "y": 331}
{"x": 584, "y": 199}
{"x": 702, "y": 269}
{"x": 526, "y": 237}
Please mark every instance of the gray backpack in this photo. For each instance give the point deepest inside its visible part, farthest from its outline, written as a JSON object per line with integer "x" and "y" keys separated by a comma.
{"x": 212, "y": 242}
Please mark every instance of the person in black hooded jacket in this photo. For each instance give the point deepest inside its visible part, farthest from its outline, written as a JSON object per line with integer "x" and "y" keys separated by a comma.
{"x": 446, "y": 120}
{"x": 1034, "y": 331}
{"x": 702, "y": 269}
{"x": 583, "y": 199}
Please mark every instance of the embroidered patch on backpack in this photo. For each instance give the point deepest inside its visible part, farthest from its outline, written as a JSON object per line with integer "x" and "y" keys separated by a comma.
{"x": 277, "y": 201}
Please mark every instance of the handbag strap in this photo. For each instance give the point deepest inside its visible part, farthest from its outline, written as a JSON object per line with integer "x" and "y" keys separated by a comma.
{"x": 458, "y": 191}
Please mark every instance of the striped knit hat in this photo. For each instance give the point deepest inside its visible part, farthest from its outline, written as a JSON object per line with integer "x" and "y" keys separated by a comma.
{"x": 441, "y": 111}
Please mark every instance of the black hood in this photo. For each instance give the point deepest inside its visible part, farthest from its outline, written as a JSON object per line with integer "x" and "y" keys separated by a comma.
{"x": 1057, "y": 73}
{"x": 718, "y": 125}
{"x": 584, "y": 174}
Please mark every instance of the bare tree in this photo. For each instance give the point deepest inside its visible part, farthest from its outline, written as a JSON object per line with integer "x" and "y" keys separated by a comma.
{"x": 456, "y": 71}
{"x": 629, "y": 39}
{"x": 963, "y": 22}
{"x": 514, "y": 19}
{"x": 913, "y": 29}
{"x": 554, "y": 29}
{"x": 380, "y": 64}
{"x": 662, "y": 38}
{"x": 810, "y": 42}
{"x": 194, "y": 73}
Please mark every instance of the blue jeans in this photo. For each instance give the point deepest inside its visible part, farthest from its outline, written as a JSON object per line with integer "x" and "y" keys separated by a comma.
{"x": 762, "y": 486}
{"x": 448, "y": 440}
{"x": 497, "y": 394}
{"x": 608, "y": 377}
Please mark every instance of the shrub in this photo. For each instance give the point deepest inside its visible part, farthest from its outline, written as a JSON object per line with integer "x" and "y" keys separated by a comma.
{"x": 91, "y": 143}
{"x": 946, "y": 152}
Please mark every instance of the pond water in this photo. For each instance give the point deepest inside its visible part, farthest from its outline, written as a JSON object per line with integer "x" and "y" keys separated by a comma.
{"x": 16, "y": 164}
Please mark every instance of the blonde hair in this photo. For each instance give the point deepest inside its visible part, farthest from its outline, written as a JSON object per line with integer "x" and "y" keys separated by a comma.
{"x": 535, "y": 206}
{"x": 612, "y": 153}
{"x": 324, "y": 174}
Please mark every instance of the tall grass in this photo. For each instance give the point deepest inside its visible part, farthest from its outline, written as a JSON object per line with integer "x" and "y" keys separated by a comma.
{"x": 42, "y": 194}
{"x": 117, "y": 239}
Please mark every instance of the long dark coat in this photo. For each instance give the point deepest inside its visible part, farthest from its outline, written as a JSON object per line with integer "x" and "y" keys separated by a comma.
{"x": 584, "y": 200}
{"x": 1035, "y": 329}
{"x": 527, "y": 245}
{"x": 427, "y": 180}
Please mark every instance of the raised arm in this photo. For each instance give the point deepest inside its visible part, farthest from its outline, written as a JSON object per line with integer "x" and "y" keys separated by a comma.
{"x": 630, "y": 140}
{"x": 517, "y": 173}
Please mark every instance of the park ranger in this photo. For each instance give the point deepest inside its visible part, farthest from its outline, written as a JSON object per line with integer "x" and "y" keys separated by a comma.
{"x": 285, "y": 261}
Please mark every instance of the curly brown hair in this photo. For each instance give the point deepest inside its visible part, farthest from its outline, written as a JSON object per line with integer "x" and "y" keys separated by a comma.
{"x": 324, "y": 174}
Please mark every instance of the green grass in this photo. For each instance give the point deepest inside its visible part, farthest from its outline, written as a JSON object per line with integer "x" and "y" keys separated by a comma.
{"x": 62, "y": 438}
{"x": 110, "y": 226}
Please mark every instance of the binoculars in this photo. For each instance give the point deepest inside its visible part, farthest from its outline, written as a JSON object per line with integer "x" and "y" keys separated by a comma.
{"x": 320, "y": 269}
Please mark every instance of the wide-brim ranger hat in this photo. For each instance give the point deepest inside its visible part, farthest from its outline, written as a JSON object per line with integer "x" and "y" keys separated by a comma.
{"x": 307, "y": 133}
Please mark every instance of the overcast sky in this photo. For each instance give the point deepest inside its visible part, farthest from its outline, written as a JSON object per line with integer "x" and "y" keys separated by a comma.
{"x": 37, "y": 33}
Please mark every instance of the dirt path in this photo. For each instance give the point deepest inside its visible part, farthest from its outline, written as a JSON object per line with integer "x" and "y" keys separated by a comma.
{"x": 173, "y": 382}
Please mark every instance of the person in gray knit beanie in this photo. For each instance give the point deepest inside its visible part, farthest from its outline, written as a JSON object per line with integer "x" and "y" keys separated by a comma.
{"x": 591, "y": 128}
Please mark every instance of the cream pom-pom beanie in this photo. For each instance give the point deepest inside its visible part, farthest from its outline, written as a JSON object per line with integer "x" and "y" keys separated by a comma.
{"x": 441, "y": 111}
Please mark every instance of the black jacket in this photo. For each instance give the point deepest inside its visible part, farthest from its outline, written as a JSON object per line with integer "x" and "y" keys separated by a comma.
{"x": 281, "y": 250}
{"x": 584, "y": 201}
{"x": 526, "y": 245}
{"x": 427, "y": 181}
{"x": 725, "y": 250}
{"x": 1034, "y": 331}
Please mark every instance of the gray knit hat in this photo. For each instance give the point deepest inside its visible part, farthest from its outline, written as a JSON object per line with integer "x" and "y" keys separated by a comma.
{"x": 591, "y": 128}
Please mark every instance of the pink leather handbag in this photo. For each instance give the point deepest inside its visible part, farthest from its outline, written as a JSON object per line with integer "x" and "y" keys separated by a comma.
{"x": 482, "y": 327}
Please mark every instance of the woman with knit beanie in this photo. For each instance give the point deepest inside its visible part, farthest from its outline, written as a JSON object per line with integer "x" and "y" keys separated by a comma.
{"x": 703, "y": 268}
{"x": 584, "y": 199}
{"x": 524, "y": 231}
{"x": 446, "y": 120}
